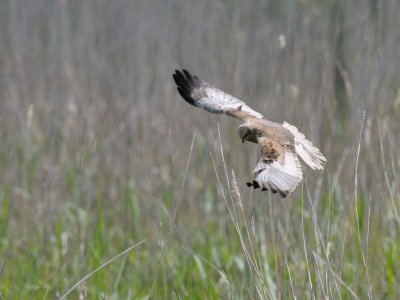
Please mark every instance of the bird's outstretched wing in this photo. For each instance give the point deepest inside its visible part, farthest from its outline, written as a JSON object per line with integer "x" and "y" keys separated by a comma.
{"x": 278, "y": 169}
{"x": 201, "y": 94}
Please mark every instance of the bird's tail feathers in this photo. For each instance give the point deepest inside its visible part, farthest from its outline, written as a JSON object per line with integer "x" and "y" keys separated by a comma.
{"x": 311, "y": 155}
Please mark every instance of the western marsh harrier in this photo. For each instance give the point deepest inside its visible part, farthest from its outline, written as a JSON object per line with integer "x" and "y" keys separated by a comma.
{"x": 278, "y": 169}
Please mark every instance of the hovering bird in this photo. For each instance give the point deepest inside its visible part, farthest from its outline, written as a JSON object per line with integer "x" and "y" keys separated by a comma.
{"x": 278, "y": 169}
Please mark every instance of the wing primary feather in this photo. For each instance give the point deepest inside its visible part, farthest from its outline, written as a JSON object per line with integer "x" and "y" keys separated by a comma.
{"x": 186, "y": 84}
{"x": 197, "y": 80}
{"x": 189, "y": 77}
{"x": 185, "y": 95}
{"x": 178, "y": 79}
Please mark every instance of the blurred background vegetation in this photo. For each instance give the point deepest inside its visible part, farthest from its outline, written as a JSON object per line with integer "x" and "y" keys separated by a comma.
{"x": 99, "y": 152}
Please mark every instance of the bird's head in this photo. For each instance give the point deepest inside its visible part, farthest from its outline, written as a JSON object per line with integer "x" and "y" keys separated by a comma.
{"x": 244, "y": 132}
{"x": 247, "y": 132}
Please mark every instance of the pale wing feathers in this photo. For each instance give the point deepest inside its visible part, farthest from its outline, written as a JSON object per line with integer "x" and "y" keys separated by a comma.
{"x": 225, "y": 103}
{"x": 201, "y": 94}
{"x": 305, "y": 149}
{"x": 282, "y": 175}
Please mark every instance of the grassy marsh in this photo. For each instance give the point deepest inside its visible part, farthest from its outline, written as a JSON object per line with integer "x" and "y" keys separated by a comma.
{"x": 98, "y": 152}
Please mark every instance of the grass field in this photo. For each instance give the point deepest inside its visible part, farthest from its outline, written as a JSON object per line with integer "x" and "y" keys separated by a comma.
{"x": 99, "y": 153}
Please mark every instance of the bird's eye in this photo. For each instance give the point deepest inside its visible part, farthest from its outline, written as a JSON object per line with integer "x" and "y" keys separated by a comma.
{"x": 268, "y": 161}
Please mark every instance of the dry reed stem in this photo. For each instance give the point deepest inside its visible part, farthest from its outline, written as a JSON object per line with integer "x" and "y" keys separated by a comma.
{"x": 356, "y": 208}
{"x": 251, "y": 257}
{"x": 99, "y": 268}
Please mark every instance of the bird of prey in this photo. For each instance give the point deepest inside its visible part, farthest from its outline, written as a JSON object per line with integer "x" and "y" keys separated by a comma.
{"x": 278, "y": 169}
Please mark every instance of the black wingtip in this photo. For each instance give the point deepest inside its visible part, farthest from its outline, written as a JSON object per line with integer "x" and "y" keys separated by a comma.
{"x": 273, "y": 190}
{"x": 186, "y": 83}
{"x": 185, "y": 95}
{"x": 186, "y": 79}
{"x": 253, "y": 184}
{"x": 187, "y": 74}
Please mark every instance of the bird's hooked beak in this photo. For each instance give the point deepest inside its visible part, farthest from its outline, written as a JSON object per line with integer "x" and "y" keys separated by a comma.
{"x": 243, "y": 137}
